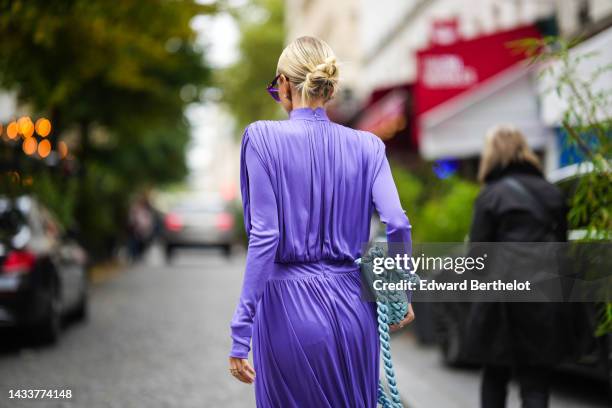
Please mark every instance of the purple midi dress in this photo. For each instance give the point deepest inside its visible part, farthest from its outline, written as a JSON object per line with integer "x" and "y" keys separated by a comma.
{"x": 309, "y": 187}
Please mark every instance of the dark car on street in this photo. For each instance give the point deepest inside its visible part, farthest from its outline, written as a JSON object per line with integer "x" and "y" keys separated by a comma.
{"x": 42, "y": 271}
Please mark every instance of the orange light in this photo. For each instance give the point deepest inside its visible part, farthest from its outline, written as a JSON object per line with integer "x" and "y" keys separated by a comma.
{"x": 12, "y": 130}
{"x": 44, "y": 148}
{"x": 62, "y": 147}
{"x": 27, "y": 130}
{"x": 43, "y": 127}
{"x": 29, "y": 145}
{"x": 25, "y": 125}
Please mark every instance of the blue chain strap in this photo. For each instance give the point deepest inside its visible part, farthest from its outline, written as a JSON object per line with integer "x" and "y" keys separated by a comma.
{"x": 391, "y": 308}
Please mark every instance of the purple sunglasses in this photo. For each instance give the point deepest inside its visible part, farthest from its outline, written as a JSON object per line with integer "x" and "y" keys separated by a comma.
{"x": 273, "y": 90}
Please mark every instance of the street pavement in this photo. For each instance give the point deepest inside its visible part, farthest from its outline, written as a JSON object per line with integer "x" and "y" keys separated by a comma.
{"x": 425, "y": 382}
{"x": 157, "y": 336}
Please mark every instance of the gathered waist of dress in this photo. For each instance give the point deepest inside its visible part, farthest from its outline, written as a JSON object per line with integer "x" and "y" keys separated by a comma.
{"x": 321, "y": 267}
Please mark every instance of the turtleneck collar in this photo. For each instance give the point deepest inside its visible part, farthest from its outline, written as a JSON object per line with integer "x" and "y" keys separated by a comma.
{"x": 308, "y": 114}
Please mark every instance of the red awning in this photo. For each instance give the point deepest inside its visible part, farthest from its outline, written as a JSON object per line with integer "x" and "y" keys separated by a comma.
{"x": 447, "y": 73}
{"x": 387, "y": 116}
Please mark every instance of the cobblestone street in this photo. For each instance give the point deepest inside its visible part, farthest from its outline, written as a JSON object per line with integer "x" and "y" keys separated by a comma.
{"x": 157, "y": 337}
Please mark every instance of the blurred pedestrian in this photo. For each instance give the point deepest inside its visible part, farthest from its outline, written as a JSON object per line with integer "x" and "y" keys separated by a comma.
{"x": 141, "y": 226}
{"x": 522, "y": 339}
{"x": 309, "y": 187}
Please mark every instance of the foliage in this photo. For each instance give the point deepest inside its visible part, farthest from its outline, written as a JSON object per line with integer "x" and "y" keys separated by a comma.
{"x": 119, "y": 77}
{"x": 587, "y": 120}
{"x": 447, "y": 218}
{"x": 439, "y": 210}
{"x": 244, "y": 83}
{"x": 409, "y": 187}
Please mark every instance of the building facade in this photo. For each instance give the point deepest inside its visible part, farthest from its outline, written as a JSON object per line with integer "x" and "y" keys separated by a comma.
{"x": 336, "y": 22}
{"x": 402, "y": 56}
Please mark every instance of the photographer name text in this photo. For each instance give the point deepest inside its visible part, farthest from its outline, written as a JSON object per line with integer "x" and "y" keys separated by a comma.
{"x": 465, "y": 285}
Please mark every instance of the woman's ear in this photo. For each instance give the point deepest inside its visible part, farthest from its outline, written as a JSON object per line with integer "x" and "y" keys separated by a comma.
{"x": 285, "y": 87}
{"x": 284, "y": 92}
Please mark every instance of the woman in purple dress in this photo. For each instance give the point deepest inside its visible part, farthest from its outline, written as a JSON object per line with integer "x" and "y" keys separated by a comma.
{"x": 309, "y": 187}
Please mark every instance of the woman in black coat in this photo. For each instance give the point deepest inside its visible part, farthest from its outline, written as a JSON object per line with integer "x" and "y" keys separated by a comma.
{"x": 524, "y": 339}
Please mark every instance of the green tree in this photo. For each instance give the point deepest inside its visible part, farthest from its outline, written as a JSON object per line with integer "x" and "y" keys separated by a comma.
{"x": 125, "y": 70}
{"x": 439, "y": 210}
{"x": 244, "y": 83}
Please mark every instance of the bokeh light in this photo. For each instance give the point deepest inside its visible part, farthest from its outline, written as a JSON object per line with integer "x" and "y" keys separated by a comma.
{"x": 445, "y": 168}
{"x": 12, "y": 130}
{"x": 29, "y": 145}
{"x": 44, "y": 148}
{"x": 27, "y": 130}
{"x": 26, "y": 127}
{"x": 43, "y": 127}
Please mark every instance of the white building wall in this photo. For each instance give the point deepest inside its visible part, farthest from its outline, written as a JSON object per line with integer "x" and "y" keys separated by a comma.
{"x": 336, "y": 22}
{"x": 389, "y": 52}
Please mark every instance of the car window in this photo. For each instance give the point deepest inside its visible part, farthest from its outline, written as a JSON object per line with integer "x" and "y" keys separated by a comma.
{"x": 196, "y": 207}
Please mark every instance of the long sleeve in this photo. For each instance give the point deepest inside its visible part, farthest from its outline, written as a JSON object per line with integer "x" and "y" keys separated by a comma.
{"x": 387, "y": 204}
{"x": 261, "y": 222}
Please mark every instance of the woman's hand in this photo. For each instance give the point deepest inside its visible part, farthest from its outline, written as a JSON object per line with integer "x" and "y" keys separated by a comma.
{"x": 242, "y": 370}
{"x": 407, "y": 320}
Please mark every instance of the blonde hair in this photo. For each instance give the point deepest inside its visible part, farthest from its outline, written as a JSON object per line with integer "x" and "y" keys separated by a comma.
{"x": 310, "y": 65}
{"x": 505, "y": 144}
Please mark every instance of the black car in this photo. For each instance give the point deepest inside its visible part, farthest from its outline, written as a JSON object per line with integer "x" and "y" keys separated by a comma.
{"x": 42, "y": 271}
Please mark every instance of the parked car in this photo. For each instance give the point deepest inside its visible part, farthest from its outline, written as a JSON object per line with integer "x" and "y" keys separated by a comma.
{"x": 596, "y": 362}
{"x": 42, "y": 270}
{"x": 199, "y": 221}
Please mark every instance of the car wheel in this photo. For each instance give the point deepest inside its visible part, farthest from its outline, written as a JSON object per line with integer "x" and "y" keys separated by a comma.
{"x": 49, "y": 329}
{"x": 227, "y": 250}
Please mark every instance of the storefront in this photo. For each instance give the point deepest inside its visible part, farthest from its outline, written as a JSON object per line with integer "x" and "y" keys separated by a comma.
{"x": 465, "y": 87}
{"x": 388, "y": 114}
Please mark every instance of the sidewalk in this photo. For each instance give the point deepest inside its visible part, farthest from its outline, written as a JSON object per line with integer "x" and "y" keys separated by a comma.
{"x": 425, "y": 382}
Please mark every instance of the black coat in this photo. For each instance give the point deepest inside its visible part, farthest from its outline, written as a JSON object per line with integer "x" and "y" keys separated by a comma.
{"x": 519, "y": 333}
{"x": 501, "y": 215}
